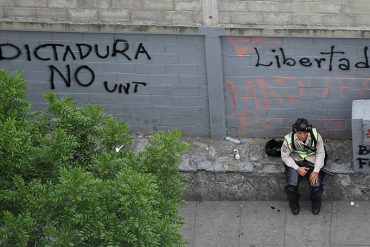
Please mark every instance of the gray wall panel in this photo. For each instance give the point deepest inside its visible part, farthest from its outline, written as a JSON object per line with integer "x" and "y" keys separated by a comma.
{"x": 140, "y": 83}
{"x": 322, "y": 94}
{"x": 199, "y": 83}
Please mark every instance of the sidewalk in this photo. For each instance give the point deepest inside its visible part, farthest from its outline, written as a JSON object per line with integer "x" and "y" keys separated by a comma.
{"x": 271, "y": 223}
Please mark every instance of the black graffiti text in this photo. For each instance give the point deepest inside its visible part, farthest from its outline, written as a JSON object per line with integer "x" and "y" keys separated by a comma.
{"x": 363, "y": 150}
{"x": 124, "y": 87}
{"x": 363, "y": 162}
{"x": 85, "y": 76}
{"x": 67, "y": 76}
{"x": 77, "y": 51}
{"x": 331, "y": 59}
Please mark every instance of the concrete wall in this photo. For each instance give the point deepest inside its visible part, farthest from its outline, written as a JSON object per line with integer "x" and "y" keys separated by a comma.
{"x": 269, "y": 82}
{"x": 153, "y": 82}
{"x": 361, "y": 135}
{"x": 292, "y": 12}
{"x": 210, "y": 67}
{"x": 187, "y": 12}
{"x": 202, "y": 65}
{"x": 207, "y": 84}
{"x": 282, "y": 16}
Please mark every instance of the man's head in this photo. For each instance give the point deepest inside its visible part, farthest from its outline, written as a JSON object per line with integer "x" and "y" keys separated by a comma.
{"x": 301, "y": 128}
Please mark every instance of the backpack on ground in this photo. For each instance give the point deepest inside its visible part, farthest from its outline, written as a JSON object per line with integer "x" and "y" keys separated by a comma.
{"x": 273, "y": 148}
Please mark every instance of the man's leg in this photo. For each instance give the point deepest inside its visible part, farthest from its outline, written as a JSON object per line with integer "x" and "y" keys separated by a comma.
{"x": 316, "y": 193}
{"x": 316, "y": 190}
{"x": 292, "y": 190}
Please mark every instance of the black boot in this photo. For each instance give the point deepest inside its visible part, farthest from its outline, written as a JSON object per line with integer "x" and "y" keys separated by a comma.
{"x": 316, "y": 193}
{"x": 293, "y": 198}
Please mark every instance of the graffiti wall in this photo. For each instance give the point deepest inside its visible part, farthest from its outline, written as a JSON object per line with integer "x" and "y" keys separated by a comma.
{"x": 269, "y": 82}
{"x": 153, "y": 82}
{"x": 159, "y": 81}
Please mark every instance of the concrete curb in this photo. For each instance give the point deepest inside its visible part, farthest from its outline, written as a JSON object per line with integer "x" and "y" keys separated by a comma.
{"x": 212, "y": 172}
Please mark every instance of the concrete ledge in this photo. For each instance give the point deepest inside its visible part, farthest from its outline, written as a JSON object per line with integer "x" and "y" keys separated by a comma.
{"x": 169, "y": 28}
{"x": 66, "y": 26}
{"x": 212, "y": 172}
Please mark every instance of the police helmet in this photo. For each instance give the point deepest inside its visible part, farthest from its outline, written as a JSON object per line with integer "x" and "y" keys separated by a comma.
{"x": 301, "y": 124}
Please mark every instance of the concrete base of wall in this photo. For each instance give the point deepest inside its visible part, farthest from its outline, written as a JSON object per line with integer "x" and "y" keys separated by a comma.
{"x": 238, "y": 186}
{"x": 213, "y": 173}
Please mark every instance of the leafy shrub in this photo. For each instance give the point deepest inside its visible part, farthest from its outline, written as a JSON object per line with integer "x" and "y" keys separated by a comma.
{"x": 63, "y": 183}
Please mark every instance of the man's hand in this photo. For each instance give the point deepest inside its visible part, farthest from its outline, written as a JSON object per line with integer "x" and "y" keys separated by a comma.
{"x": 314, "y": 177}
{"x": 302, "y": 171}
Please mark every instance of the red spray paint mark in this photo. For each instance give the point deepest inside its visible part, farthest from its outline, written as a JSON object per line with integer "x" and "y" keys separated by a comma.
{"x": 368, "y": 134}
{"x": 230, "y": 87}
{"x": 257, "y": 95}
{"x": 248, "y": 44}
{"x": 365, "y": 83}
{"x": 344, "y": 85}
{"x": 261, "y": 84}
{"x": 292, "y": 99}
{"x": 340, "y": 124}
{"x": 243, "y": 117}
{"x": 251, "y": 89}
{"x": 252, "y": 117}
{"x": 325, "y": 92}
{"x": 347, "y": 84}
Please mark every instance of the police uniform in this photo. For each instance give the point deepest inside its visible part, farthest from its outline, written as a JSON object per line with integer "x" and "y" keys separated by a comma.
{"x": 295, "y": 153}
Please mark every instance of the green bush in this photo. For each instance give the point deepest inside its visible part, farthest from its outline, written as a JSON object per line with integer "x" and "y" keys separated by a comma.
{"x": 62, "y": 183}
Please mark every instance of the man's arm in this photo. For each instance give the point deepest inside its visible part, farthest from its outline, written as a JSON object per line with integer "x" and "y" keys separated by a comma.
{"x": 320, "y": 154}
{"x": 286, "y": 157}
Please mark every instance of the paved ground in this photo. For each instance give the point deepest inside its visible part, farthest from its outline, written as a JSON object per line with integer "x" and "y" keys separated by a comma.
{"x": 270, "y": 223}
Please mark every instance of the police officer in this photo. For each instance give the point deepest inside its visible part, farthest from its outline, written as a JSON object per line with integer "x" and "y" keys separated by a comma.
{"x": 304, "y": 144}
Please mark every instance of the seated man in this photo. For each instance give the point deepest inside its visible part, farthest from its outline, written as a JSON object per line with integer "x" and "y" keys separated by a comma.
{"x": 304, "y": 144}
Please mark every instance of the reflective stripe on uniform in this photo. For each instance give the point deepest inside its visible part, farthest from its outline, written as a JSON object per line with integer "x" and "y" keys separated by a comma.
{"x": 301, "y": 151}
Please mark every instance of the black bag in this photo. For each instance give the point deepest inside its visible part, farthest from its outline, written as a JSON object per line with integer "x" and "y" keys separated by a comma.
{"x": 273, "y": 147}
